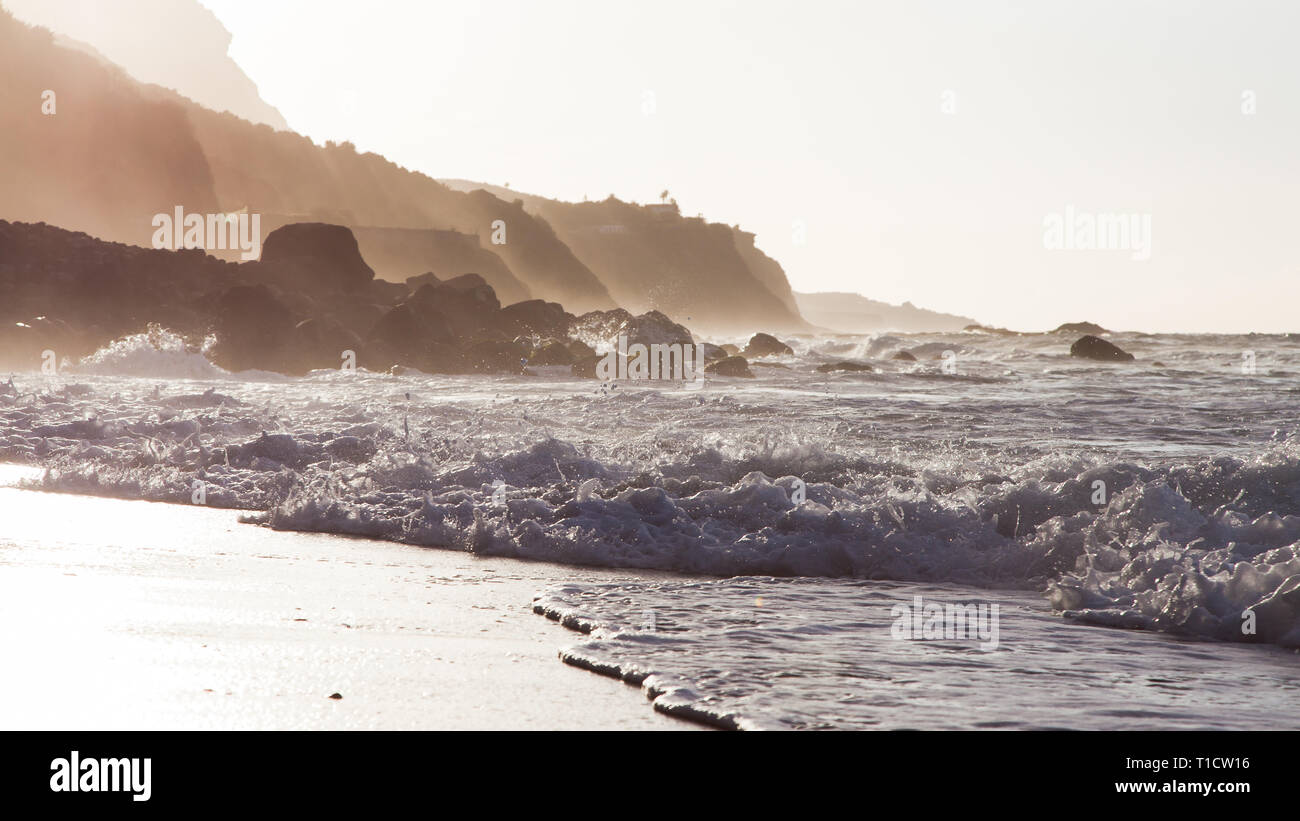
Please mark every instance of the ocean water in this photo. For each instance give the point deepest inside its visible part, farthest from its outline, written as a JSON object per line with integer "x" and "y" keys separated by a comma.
{"x": 1161, "y": 495}
{"x": 805, "y": 653}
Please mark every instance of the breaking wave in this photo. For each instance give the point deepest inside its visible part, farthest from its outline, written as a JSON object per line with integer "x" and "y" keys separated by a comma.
{"x": 156, "y": 353}
{"x": 751, "y": 480}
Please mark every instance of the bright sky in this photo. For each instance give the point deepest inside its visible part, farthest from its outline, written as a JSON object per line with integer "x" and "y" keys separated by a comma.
{"x": 832, "y": 115}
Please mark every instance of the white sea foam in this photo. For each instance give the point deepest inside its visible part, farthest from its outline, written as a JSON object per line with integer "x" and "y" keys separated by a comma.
{"x": 158, "y": 353}
{"x": 806, "y": 653}
{"x": 986, "y": 477}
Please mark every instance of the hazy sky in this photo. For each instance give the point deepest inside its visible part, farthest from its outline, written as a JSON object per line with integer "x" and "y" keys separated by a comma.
{"x": 921, "y": 145}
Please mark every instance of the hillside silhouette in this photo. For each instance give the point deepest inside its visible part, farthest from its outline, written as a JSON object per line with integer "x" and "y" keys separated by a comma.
{"x": 709, "y": 275}
{"x": 117, "y": 151}
{"x": 197, "y": 65}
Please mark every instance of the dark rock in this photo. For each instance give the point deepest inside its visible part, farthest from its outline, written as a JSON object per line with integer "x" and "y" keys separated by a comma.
{"x": 586, "y": 366}
{"x": 415, "y": 337}
{"x": 651, "y": 328}
{"x": 467, "y": 304}
{"x": 602, "y": 325}
{"x": 319, "y": 343}
{"x": 413, "y": 283}
{"x": 315, "y": 256}
{"x": 731, "y": 366}
{"x": 712, "y": 352}
{"x": 766, "y": 345}
{"x": 103, "y": 290}
{"x": 388, "y": 293}
{"x": 350, "y": 449}
{"x": 496, "y": 356}
{"x": 655, "y": 328}
{"x": 851, "y": 367}
{"x": 552, "y": 353}
{"x": 730, "y": 350}
{"x": 298, "y": 302}
{"x": 357, "y": 315}
{"x": 279, "y": 448}
{"x": 579, "y": 349}
{"x": 535, "y": 316}
{"x": 252, "y": 328}
{"x": 472, "y": 284}
{"x": 23, "y": 344}
{"x": 208, "y": 399}
{"x": 1091, "y": 347}
{"x": 411, "y": 322}
{"x": 904, "y": 356}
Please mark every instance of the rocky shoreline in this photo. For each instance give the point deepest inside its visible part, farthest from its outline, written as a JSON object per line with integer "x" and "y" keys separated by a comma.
{"x": 311, "y": 302}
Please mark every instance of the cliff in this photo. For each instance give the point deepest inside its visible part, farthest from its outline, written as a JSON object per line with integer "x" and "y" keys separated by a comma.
{"x": 116, "y": 152}
{"x": 708, "y": 275}
{"x": 130, "y": 34}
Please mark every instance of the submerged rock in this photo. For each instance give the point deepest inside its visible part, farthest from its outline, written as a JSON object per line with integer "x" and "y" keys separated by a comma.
{"x": 731, "y": 366}
{"x": 1091, "y": 347}
{"x": 766, "y": 345}
{"x": 852, "y": 367}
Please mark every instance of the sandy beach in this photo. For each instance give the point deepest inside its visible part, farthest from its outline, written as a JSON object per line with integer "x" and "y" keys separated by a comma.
{"x": 136, "y": 615}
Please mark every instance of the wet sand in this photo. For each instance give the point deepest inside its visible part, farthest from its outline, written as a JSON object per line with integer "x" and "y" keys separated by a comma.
{"x": 136, "y": 615}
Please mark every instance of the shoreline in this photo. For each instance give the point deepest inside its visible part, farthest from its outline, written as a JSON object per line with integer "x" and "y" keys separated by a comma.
{"x": 134, "y": 615}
